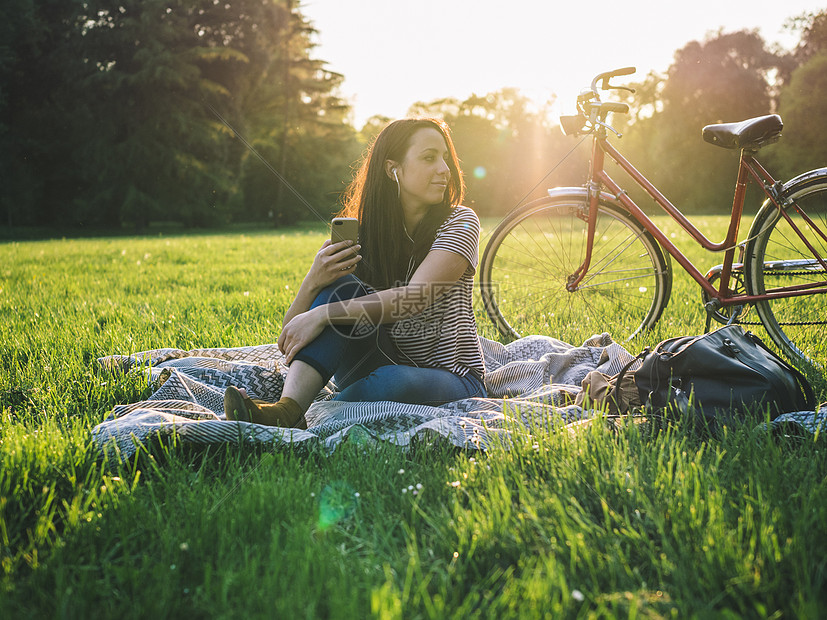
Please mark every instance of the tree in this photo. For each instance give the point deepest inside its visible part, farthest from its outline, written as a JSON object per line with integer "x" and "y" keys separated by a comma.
{"x": 372, "y": 127}
{"x": 803, "y": 108}
{"x": 812, "y": 29}
{"x": 106, "y": 110}
{"x": 297, "y": 123}
{"x": 41, "y": 116}
{"x": 801, "y": 102}
{"x": 725, "y": 78}
{"x": 157, "y": 152}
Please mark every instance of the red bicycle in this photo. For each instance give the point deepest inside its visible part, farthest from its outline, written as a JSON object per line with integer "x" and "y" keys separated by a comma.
{"x": 588, "y": 259}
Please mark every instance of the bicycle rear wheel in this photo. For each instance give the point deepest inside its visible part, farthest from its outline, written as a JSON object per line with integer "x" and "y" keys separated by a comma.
{"x": 776, "y": 256}
{"x": 532, "y": 253}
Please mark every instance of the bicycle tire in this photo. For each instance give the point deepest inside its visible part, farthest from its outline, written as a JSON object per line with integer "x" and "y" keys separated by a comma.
{"x": 776, "y": 256}
{"x": 523, "y": 274}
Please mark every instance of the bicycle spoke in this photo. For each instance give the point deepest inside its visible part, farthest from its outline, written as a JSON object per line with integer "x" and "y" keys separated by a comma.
{"x": 531, "y": 264}
{"x": 792, "y": 322}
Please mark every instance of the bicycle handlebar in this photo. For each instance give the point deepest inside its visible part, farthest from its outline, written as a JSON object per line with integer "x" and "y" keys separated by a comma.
{"x": 591, "y": 110}
{"x": 608, "y": 75}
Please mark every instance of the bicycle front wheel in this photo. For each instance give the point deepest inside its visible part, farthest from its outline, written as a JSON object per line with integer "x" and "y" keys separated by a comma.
{"x": 533, "y": 252}
{"x": 778, "y": 257}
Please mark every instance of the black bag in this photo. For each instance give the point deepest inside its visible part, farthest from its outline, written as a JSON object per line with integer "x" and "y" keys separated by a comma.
{"x": 726, "y": 374}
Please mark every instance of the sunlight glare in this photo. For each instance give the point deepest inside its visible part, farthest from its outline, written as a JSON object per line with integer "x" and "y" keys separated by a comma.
{"x": 337, "y": 503}
{"x": 534, "y": 50}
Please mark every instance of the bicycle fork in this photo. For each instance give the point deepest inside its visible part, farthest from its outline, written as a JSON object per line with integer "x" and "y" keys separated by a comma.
{"x": 593, "y": 198}
{"x": 574, "y": 280}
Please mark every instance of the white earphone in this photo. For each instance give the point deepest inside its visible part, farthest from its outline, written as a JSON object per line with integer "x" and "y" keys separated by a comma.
{"x": 395, "y": 176}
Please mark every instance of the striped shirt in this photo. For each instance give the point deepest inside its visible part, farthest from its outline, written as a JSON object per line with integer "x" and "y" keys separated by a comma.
{"x": 444, "y": 335}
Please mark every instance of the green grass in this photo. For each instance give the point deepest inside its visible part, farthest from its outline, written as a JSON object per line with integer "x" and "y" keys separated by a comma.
{"x": 586, "y": 522}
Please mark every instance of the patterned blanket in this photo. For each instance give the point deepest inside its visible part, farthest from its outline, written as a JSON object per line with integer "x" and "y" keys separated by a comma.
{"x": 531, "y": 382}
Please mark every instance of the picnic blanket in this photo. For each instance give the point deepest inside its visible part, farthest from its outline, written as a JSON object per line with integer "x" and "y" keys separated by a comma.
{"x": 527, "y": 381}
{"x": 531, "y": 382}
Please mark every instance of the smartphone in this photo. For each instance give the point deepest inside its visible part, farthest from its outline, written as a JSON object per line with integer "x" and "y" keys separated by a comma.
{"x": 344, "y": 228}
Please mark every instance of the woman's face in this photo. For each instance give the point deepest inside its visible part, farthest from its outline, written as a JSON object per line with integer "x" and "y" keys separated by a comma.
{"x": 424, "y": 173}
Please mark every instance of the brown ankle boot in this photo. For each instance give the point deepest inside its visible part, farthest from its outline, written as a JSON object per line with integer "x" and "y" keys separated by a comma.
{"x": 285, "y": 413}
{"x": 236, "y": 405}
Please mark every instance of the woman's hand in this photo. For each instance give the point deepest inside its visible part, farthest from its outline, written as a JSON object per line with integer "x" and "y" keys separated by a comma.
{"x": 300, "y": 331}
{"x": 333, "y": 261}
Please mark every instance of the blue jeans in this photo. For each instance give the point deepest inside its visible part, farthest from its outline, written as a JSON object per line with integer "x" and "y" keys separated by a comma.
{"x": 364, "y": 363}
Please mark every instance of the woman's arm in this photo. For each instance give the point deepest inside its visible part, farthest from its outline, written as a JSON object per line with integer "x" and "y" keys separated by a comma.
{"x": 331, "y": 262}
{"x": 438, "y": 272}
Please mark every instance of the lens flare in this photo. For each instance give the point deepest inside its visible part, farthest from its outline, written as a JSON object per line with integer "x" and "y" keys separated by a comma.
{"x": 336, "y": 503}
{"x": 480, "y": 172}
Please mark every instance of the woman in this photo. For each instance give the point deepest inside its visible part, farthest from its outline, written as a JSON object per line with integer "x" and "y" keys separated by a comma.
{"x": 398, "y": 324}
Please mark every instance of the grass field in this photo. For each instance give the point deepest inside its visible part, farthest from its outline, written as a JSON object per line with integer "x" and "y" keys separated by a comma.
{"x": 589, "y": 523}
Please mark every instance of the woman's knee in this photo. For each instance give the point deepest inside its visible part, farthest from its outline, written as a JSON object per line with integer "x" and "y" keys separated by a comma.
{"x": 346, "y": 287}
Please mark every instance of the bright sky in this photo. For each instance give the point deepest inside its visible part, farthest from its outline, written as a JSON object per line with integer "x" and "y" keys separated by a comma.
{"x": 394, "y": 53}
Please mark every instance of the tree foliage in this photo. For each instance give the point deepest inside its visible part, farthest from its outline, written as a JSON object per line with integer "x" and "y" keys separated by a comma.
{"x": 725, "y": 78}
{"x": 117, "y": 126}
{"x": 39, "y": 114}
{"x": 812, "y": 32}
{"x": 728, "y": 77}
{"x": 109, "y": 116}
{"x": 804, "y": 110}
{"x": 802, "y": 100}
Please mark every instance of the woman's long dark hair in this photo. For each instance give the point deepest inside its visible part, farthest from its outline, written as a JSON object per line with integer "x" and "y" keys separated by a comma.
{"x": 373, "y": 198}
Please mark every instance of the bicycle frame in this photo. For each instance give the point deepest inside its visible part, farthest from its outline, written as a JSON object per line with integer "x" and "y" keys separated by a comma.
{"x": 748, "y": 168}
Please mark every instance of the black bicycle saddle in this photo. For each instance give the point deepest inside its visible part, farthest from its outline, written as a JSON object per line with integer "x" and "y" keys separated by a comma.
{"x": 750, "y": 134}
